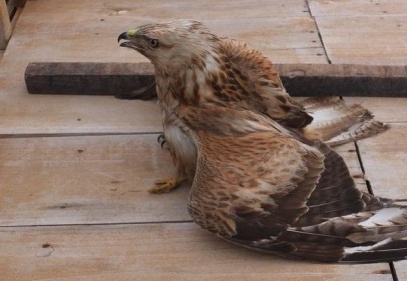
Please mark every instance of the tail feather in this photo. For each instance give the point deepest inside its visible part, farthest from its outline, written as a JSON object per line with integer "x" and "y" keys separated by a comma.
{"x": 359, "y": 131}
{"x": 383, "y": 238}
{"x": 337, "y": 123}
{"x": 387, "y": 250}
{"x": 364, "y": 237}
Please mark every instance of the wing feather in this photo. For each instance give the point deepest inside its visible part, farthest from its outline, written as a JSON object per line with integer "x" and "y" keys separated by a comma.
{"x": 252, "y": 173}
{"x": 262, "y": 186}
{"x": 268, "y": 94}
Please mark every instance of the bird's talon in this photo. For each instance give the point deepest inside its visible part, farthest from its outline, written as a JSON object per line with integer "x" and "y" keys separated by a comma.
{"x": 162, "y": 144}
{"x": 166, "y": 185}
{"x": 162, "y": 141}
{"x": 160, "y": 138}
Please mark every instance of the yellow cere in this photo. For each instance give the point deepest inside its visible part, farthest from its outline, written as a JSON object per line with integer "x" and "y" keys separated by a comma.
{"x": 132, "y": 32}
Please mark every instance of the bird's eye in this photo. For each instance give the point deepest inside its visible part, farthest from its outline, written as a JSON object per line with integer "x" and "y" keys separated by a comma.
{"x": 154, "y": 43}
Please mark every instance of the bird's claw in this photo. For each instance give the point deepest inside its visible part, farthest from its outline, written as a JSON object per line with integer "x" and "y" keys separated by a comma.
{"x": 162, "y": 141}
{"x": 166, "y": 185}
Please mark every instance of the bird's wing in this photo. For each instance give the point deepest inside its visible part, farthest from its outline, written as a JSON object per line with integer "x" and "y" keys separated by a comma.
{"x": 263, "y": 79}
{"x": 258, "y": 185}
{"x": 253, "y": 62}
{"x": 335, "y": 193}
{"x": 253, "y": 178}
{"x": 336, "y": 123}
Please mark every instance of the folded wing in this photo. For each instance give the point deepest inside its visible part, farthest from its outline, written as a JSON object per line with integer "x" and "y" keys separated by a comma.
{"x": 265, "y": 187}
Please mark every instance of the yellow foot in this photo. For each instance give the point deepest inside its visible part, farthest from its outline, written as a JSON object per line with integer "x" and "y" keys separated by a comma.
{"x": 166, "y": 185}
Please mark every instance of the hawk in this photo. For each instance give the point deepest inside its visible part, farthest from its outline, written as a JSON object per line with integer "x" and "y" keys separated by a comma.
{"x": 260, "y": 174}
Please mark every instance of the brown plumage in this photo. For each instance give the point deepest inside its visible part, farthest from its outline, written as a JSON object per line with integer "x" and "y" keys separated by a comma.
{"x": 260, "y": 177}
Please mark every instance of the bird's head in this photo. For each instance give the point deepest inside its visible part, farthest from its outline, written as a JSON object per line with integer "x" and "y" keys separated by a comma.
{"x": 171, "y": 43}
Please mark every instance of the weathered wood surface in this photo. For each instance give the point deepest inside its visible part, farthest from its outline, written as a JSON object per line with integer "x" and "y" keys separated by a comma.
{"x": 5, "y": 25}
{"x": 176, "y": 251}
{"x": 9, "y": 13}
{"x": 73, "y": 115}
{"x": 385, "y": 160}
{"x": 130, "y": 79}
{"x": 363, "y": 32}
{"x": 384, "y": 109}
{"x": 88, "y": 30}
{"x": 86, "y": 180}
{"x": 384, "y": 157}
{"x": 94, "y": 180}
{"x": 345, "y": 80}
{"x": 104, "y": 180}
{"x": 137, "y": 80}
{"x": 357, "y": 8}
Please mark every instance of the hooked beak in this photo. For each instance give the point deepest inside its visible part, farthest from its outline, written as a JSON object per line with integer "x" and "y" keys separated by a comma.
{"x": 132, "y": 41}
{"x": 128, "y": 35}
{"x": 123, "y": 36}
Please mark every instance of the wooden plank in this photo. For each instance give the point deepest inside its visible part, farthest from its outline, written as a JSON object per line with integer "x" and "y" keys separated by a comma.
{"x": 9, "y": 12}
{"x": 387, "y": 110}
{"x": 84, "y": 37}
{"x": 349, "y": 154}
{"x": 5, "y": 25}
{"x": 86, "y": 180}
{"x": 120, "y": 79}
{"x": 93, "y": 179}
{"x": 153, "y": 252}
{"x": 401, "y": 268}
{"x": 163, "y": 10}
{"x": 357, "y": 8}
{"x": 344, "y": 80}
{"x": 364, "y": 40}
{"x": 96, "y": 25}
{"x": 384, "y": 157}
{"x": 25, "y": 114}
{"x": 135, "y": 80}
{"x": 385, "y": 160}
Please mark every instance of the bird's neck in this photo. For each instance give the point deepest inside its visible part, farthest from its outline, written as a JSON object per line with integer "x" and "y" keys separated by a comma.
{"x": 189, "y": 83}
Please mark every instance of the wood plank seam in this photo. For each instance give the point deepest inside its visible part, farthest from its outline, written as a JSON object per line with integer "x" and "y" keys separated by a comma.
{"x": 97, "y": 224}
{"x": 58, "y": 135}
{"x": 393, "y": 271}
{"x": 370, "y": 190}
{"x": 319, "y": 33}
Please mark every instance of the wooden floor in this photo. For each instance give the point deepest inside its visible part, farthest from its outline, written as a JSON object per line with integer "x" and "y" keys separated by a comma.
{"x": 74, "y": 170}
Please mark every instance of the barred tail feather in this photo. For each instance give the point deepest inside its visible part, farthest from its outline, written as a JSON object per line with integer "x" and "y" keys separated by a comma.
{"x": 337, "y": 123}
{"x": 387, "y": 250}
{"x": 359, "y": 131}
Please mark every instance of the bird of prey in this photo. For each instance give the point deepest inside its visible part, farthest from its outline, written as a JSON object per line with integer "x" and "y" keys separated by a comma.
{"x": 260, "y": 175}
